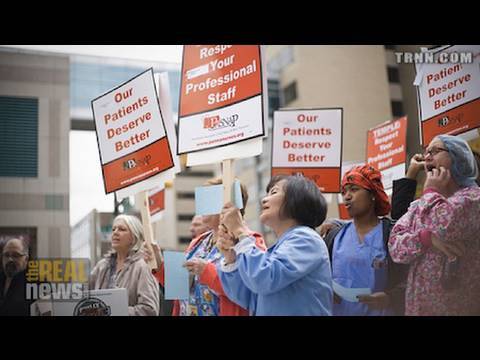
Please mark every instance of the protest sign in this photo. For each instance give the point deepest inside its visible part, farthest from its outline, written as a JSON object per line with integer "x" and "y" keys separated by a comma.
{"x": 309, "y": 141}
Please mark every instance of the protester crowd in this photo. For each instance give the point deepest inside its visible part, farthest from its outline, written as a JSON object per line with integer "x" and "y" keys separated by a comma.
{"x": 414, "y": 256}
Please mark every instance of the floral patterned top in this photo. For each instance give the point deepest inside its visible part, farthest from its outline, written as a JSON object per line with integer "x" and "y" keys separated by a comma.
{"x": 456, "y": 218}
{"x": 202, "y": 300}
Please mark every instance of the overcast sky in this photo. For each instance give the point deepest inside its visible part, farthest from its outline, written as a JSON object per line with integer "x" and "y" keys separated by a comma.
{"x": 86, "y": 181}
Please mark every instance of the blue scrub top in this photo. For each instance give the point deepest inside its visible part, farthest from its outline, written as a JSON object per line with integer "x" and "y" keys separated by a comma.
{"x": 360, "y": 265}
{"x": 292, "y": 278}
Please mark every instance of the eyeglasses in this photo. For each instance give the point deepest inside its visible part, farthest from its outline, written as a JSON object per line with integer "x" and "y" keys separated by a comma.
{"x": 433, "y": 151}
{"x": 13, "y": 255}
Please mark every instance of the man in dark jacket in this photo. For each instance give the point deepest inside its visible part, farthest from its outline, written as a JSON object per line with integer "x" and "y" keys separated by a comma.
{"x": 13, "y": 300}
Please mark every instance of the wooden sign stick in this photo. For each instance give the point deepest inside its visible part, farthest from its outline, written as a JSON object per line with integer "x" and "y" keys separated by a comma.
{"x": 142, "y": 200}
{"x": 227, "y": 180}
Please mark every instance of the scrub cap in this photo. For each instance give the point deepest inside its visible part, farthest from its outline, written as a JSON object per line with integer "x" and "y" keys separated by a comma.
{"x": 369, "y": 178}
{"x": 464, "y": 167}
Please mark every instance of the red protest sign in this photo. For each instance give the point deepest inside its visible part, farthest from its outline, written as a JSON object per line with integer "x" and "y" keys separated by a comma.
{"x": 156, "y": 202}
{"x": 386, "y": 149}
{"x": 221, "y": 96}
{"x": 449, "y": 94}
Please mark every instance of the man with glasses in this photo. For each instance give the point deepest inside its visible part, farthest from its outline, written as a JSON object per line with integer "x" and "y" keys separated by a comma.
{"x": 12, "y": 279}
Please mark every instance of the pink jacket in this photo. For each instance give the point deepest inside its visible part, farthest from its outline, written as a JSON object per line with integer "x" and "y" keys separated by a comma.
{"x": 456, "y": 218}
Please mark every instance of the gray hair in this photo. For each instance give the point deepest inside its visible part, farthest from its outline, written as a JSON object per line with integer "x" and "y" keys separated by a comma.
{"x": 136, "y": 228}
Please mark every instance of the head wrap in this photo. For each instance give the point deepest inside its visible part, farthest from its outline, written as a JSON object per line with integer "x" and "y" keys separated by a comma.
{"x": 464, "y": 167}
{"x": 369, "y": 178}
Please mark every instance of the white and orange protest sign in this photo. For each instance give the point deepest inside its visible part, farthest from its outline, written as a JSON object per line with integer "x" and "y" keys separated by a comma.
{"x": 449, "y": 94}
{"x": 163, "y": 91}
{"x": 309, "y": 141}
{"x": 387, "y": 150}
{"x": 342, "y": 210}
{"x": 131, "y": 134}
{"x": 156, "y": 203}
{"x": 221, "y": 96}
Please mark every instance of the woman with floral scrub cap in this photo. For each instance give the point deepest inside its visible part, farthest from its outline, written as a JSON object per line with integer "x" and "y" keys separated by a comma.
{"x": 441, "y": 227}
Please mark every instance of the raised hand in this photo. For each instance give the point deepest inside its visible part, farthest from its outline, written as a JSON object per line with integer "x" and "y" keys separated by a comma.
{"x": 438, "y": 180}
{"x": 150, "y": 252}
{"x": 417, "y": 164}
{"x": 325, "y": 228}
{"x": 451, "y": 250}
{"x": 231, "y": 218}
{"x": 225, "y": 244}
{"x": 196, "y": 266}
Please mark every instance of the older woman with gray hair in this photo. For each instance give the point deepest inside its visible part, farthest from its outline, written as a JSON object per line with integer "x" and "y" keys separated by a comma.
{"x": 125, "y": 267}
{"x": 439, "y": 234}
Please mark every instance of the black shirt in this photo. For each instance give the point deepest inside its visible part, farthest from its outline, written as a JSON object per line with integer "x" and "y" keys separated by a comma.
{"x": 14, "y": 302}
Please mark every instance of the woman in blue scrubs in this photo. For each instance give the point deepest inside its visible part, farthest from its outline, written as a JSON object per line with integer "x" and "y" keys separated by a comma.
{"x": 293, "y": 277}
{"x": 360, "y": 257}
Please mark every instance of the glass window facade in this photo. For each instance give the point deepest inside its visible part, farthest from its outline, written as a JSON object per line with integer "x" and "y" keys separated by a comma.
{"x": 18, "y": 136}
{"x": 90, "y": 79}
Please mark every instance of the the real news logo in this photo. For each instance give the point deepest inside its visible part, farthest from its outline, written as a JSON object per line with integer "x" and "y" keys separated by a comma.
{"x": 59, "y": 279}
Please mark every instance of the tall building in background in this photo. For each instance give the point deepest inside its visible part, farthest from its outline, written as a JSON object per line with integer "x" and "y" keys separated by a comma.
{"x": 34, "y": 129}
{"x": 90, "y": 237}
{"x": 91, "y": 76}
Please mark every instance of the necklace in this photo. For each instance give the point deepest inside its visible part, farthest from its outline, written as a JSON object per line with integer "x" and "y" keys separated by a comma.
{"x": 210, "y": 243}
